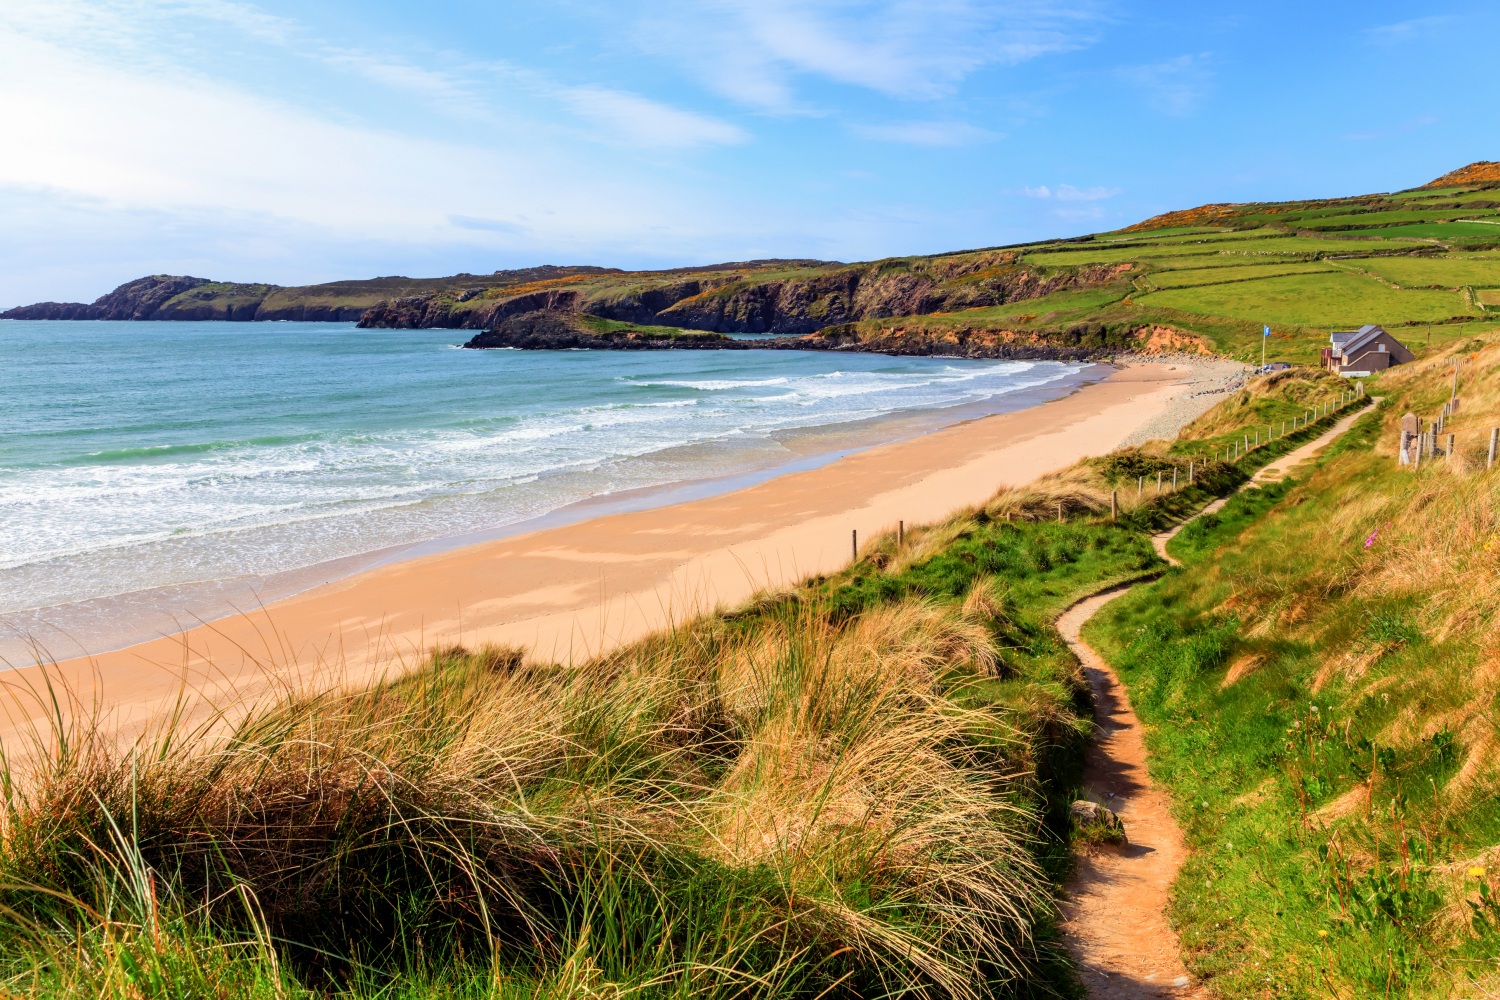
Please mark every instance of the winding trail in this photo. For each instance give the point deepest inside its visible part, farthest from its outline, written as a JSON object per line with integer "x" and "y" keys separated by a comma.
{"x": 1115, "y": 906}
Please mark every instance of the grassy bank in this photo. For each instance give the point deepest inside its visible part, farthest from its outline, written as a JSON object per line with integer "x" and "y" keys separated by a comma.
{"x": 1319, "y": 683}
{"x": 856, "y": 787}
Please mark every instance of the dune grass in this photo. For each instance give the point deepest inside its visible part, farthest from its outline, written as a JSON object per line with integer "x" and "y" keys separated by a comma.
{"x": 854, "y": 787}
{"x": 1320, "y": 688}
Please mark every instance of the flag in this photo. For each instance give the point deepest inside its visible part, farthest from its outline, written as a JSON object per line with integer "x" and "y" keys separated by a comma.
{"x": 1265, "y": 331}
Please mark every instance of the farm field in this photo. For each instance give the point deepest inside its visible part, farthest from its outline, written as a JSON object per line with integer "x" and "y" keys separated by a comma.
{"x": 1190, "y": 277}
{"x": 1319, "y": 300}
{"x": 1385, "y": 219}
{"x": 1280, "y": 244}
{"x": 1447, "y": 272}
{"x": 1443, "y": 231}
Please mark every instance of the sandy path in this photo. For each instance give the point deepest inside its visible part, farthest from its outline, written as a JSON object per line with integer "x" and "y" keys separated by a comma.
{"x": 571, "y": 591}
{"x": 1115, "y": 909}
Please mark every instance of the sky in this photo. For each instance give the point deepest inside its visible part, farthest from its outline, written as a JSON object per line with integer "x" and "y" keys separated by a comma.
{"x": 307, "y": 141}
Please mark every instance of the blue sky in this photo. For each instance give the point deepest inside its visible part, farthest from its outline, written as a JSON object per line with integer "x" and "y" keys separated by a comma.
{"x": 306, "y": 141}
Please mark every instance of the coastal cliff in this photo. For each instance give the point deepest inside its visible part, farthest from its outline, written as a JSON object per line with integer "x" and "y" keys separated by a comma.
{"x": 543, "y": 330}
{"x": 754, "y": 301}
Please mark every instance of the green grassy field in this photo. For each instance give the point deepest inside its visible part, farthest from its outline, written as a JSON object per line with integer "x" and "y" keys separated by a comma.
{"x": 1187, "y": 277}
{"x": 1443, "y": 231}
{"x": 1449, "y": 271}
{"x": 1319, "y": 300}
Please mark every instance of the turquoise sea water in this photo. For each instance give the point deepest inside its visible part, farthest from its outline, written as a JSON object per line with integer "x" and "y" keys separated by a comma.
{"x": 141, "y": 456}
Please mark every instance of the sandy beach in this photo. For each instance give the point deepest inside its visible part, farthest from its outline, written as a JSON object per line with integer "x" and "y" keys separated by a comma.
{"x": 570, "y": 592}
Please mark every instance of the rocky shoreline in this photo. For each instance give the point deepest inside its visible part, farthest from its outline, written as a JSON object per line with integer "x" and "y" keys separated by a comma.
{"x": 546, "y": 330}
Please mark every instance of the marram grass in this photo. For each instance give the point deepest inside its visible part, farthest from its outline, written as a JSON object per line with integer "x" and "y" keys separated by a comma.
{"x": 857, "y": 787}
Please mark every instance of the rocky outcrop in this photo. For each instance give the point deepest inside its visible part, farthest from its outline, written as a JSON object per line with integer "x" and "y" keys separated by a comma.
{"x": 424, "y": 311}
{"x": 1081, "y": 342}
{"x": 543, "y": 330}
{"x": 53, "y": 310}
{"x": 138, "y": 299}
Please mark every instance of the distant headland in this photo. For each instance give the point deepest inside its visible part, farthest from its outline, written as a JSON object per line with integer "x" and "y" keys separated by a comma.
{"x": 1207, "y": 280}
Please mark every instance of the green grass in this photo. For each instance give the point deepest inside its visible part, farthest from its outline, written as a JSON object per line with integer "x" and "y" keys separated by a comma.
{"x": 1188, "y": 278}
{"x": 858, "y": 787}
{"x": 1323, "y": 724}
{"x": 1059, "y": 307}
{"x": 1487, "y": 232}
{"x": 1315, "y": 300}
{"x": 1445, "y": 272}
{"x": 1384, "y": 219}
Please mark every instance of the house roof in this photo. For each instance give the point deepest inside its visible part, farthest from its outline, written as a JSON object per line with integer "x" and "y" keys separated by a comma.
{"x": 1345, "y": 343}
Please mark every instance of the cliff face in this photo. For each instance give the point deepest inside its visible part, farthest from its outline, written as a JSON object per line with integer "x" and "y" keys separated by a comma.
{"x": 751, "y": 303}
{"x": 138, "y": 299}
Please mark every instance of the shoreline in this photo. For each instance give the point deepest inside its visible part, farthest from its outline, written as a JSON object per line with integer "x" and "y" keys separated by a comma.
{"x": 110, "y": 622}
{"x": 573, "y": 591}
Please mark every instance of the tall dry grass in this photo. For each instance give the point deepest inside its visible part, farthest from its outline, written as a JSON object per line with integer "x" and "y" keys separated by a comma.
{"x": 771, "y": 801}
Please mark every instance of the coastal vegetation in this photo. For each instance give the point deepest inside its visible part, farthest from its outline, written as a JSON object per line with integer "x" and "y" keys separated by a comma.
{"x": 1320, "y": 688}
{"x": 858, "y": 786}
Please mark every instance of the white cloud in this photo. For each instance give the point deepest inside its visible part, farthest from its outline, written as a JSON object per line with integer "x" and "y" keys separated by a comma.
{"x": 640, "y": 121}
{"x": 398, "y": 74}
{"x": 183, "y": 142}
{"x": 1067, "y": 192}
{"x": 1174, "y": 87}
{"x": 753, "y": 50}
{"x": 936, "y": 134}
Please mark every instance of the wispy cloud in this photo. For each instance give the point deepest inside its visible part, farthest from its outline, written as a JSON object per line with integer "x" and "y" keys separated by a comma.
{"x": 1175, "y": 87}
{"x": 754, "y": 51}
{"x": 638, "y": 120}
{"x": 1408, "y": 31}
{"x": 1393, "y": 130}
{"x": 450, "y": 90}
{"x": 935, "y": 134}
{"x": 1067, "y": 192}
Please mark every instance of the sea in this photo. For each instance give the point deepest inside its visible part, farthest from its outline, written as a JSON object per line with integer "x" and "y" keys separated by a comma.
{"x": 155, "y": 475}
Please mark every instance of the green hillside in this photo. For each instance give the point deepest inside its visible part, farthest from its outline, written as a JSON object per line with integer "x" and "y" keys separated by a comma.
{"x": 1424, "y": 263}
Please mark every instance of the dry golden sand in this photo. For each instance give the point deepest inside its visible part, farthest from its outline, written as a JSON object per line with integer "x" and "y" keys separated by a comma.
{"x": 573, "y": 591}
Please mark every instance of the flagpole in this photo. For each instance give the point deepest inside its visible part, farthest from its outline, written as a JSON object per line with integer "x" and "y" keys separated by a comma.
{"x": 1265, "y": 332}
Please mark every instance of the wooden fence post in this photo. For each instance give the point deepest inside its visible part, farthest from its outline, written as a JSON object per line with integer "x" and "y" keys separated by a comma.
{"x": 1114, "y": 505}
{"x": 854, "y": 542}
{"x": 1190, "y": 473}
{"x": 1494, "y": 443}
{"x": 900, "y": 534}
{"x": 1448, "y": 458}
{"x": 1140, "y": 487}
{"x": 1158, "y": 481}
{"x": 1059, "y": 512}
{"x": 1174, "y": 477}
